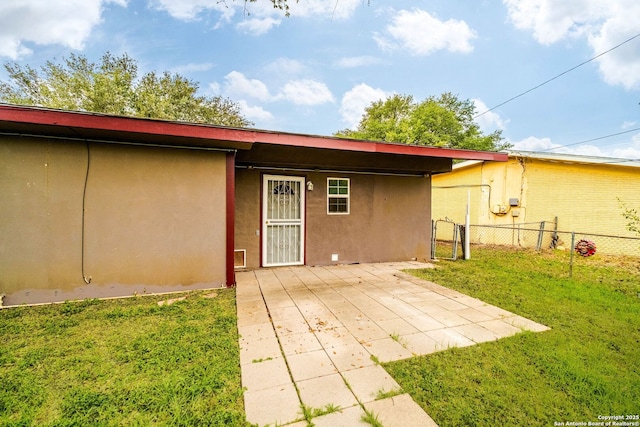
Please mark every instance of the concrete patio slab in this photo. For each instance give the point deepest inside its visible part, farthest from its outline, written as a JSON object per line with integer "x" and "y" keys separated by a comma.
{"x": 300, "y": 343}
{"x": 474, "y": 315}
{"x": 387, "y": 350}
{"x": 424, "y": 322}
{"x": 400, "y": 411}
{"x": 397, "y": 326}
{"x": 349, "y": 417}
{"x": 312, "y": 335}
{"x": 310, "y": 365}
{"x": 349, "y": 357}
{"x": 272, "y": 406}
{"x": 265, "y": 374}
{"x": 500, "y": 328}
{"x": 448, "y": 338}
{"x": 335, "y": 337}
{"x": 525, "y": 324}
{"x": 327, "y": 390}
{"x": 258, "y": 349}
{"x": 369, "y": 382}
{"x": 476, "y": 333}
{"x": 419, "y": 344}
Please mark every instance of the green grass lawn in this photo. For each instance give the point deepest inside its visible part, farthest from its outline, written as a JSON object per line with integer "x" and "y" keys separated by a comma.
{"x": 587, "y": 365}
{"x": 122, "y": 362}
{"x": 132, "y": 362}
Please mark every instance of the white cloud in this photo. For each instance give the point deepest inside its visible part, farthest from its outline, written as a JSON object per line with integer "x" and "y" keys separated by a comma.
{"x": 490, "y": 121}
{"x": 552, "y": 21}
{"x": 252, "y": 94}
{"x": 192, "y": 68}
{"x": 238, "y": 86}
{"x": 306, "y": 92}
{"x": 188, "y": 10}
{"x": 533, "y": 143}
{"x": 254, "y": 113}
{"x": 420, "y": 33}
{"x": 356, "y": 100}
{"x": 627, "y": 153}
{"x": 258, "y": 17}
{"x": 258, "y": 26}
{"x": 214, "y": 88}
{"x": 356, "y": 61}
{"x": 621, "y": 66}
{"x": 341, "y": 9}
{"x": 630, "y": 152}
{"x": 67, "y": 23}
{"x": 286, "y": 67}
{"x": 602, "y": 24}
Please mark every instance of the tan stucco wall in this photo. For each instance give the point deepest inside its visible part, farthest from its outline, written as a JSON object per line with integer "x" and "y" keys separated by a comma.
{"x": 154, "y": 220}
{"x": 389, "y": 219}
{"x": 247, "y": 226}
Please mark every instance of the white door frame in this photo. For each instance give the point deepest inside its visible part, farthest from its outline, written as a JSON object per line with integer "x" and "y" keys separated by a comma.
{"x": 283, "y": 224}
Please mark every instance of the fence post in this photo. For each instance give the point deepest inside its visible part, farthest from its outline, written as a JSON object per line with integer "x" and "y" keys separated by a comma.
{"x": 540, "y": 236}
{"x": 573, "y": 242}
{"x": 433, "y": 239}
{"x": 466, "y": 246}
{"x": 454, "y": 249}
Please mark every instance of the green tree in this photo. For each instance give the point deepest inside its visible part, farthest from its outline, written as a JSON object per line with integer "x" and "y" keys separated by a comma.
{"x": 443, "y": 121}
{"x": 112, "y": 86}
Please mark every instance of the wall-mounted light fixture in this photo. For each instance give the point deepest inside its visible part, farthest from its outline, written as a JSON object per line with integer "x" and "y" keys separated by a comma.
{"x": 309, "y": 186}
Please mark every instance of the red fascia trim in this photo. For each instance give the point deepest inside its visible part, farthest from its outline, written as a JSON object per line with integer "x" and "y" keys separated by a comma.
{"x": 376, "y": 147}
{"x": 42, "y": 116}
{"x": 230, "y": 218}
{"x": 81, "y": 120}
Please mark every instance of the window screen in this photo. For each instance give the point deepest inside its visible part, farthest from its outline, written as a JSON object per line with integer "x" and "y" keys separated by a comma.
{"x": 338, "y": 192}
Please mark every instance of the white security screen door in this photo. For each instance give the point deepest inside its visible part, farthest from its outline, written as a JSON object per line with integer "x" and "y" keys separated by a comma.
{"x": 283, "y": 220}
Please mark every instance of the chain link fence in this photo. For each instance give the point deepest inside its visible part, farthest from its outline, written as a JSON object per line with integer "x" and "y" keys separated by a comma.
{"x": 545, "y": 237}
{"x": 448, "y": 239}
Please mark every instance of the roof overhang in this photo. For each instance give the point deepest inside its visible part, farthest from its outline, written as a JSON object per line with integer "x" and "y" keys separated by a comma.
{"x": 30, "y": 121}
{"x": 573, "y": 158}
{"x": 560, "y": 158}
{"x": 255, "y": 147}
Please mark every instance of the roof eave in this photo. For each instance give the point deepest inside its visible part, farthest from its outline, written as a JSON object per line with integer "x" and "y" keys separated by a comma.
{"x": 88, "y": 125}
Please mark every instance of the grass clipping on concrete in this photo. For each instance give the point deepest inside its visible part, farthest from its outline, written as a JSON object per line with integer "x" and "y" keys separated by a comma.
{"x": 586, "y": 366}
{"x": 122, "y": 362}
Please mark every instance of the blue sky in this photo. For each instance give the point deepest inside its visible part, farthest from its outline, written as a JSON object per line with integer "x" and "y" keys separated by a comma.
{"x": 314, "y": 71}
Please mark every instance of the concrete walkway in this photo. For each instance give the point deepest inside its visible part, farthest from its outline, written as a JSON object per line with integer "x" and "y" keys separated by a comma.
{"x": 311, "y": 336}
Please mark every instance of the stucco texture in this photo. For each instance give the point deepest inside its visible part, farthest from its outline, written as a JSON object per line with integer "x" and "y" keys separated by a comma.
{"x": 389, "y": 218}
{"x": 153, "y": 220}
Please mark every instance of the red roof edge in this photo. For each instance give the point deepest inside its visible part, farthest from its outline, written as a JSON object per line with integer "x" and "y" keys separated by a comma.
{"x": 96, "y": 121}
{"x": 82, "y": 120}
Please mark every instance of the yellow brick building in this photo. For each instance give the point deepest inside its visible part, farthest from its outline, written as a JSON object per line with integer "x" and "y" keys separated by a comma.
{"x": 582, "y": 193}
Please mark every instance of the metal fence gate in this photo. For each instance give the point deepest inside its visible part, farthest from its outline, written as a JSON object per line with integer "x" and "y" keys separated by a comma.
{"x": 445, "y": 236}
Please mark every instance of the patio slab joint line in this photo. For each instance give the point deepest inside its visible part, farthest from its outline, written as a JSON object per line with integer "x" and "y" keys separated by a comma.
{"x": 284, "y": 357}
{"x": 402, "y": 295}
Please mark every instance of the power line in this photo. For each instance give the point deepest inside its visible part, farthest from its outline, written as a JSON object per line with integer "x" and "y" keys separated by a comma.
{"x": 558, "y": 76}
{"x": 597, "y": 139}
{"x": 592, "y": 139}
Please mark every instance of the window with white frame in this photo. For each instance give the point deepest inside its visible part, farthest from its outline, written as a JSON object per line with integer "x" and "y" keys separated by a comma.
{"x": 338, "y": 193}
